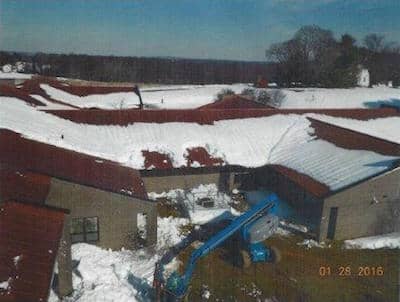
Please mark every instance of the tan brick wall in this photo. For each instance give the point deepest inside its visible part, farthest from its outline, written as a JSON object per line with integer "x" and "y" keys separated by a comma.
{"x": 116, "y": 213}
{"x": 358, "y": 214}
{"x": 161, "y": 184}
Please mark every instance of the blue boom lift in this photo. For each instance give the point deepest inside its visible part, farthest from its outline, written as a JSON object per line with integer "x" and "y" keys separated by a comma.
{"x": 253, "y": 227}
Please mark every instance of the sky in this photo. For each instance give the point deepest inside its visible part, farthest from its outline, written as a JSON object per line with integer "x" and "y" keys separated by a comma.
{"x": 217, "y": 29}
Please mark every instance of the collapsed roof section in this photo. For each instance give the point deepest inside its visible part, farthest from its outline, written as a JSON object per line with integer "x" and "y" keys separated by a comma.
{"x": 167, "y": 139}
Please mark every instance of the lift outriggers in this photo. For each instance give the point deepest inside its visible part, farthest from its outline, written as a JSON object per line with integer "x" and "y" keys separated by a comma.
{"x": 254, "y": 226}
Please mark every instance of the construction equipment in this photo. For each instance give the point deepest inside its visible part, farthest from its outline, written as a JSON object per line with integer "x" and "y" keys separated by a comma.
{"x": 253, "y": 227}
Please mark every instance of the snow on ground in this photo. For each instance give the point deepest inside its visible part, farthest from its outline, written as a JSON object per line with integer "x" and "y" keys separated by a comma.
{"x": 5, "y": 284}
{"x": 14, "y": 75}
{"x": 310, "y": 243}
{"x": 340, "y": 98}
{"x": 168, "y": 229}
{"x": 125, "y": 275}
{"x": 385, "y": 128}
{"x": 280, "y": 139}
{"x": 391, "y": 241}
{"x": 189, "y": 199}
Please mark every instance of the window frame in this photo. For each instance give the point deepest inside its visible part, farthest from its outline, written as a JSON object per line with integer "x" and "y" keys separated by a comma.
{"x": 85, "y": 232}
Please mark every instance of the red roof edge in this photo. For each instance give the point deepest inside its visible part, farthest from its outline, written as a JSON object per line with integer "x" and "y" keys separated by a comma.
{"x": 22, "y": 153}
{"x": 311, "y": 185}
{"x": 350, "y": 139}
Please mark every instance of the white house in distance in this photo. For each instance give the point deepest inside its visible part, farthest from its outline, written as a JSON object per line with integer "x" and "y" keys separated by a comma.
{"x": 363, "y": 77}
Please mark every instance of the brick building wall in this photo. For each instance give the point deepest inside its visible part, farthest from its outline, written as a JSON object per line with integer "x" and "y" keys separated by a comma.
{"x": 367, "y": 209}
{"x": 117, "y": 221}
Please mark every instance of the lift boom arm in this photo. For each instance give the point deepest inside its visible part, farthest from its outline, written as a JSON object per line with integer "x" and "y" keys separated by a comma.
{"x": 179, "y": 287}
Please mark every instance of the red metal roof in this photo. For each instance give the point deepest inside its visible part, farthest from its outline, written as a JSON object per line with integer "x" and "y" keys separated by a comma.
{"x": 10, "y": 91}
{"x": 23, "y": 186}
{"x": 25, "y": 154}
{"x": 195, "y": 157}
{"x": 202, "y": 157}
{"x": 205, "y": 116}
{"x": 311, "y": 185}
{"x": 31, "y": 233}
{"x": 350, "y": 139}
{"x": 33, "y": 87}
{"x": 156, "y": 160}
{"x": 341, "y": 137}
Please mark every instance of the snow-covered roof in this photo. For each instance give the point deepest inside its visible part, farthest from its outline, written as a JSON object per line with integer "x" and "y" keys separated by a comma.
{"x": 384, "y": 127}
{"x": 281, "y": 139}
{"x": 22, "y": 154}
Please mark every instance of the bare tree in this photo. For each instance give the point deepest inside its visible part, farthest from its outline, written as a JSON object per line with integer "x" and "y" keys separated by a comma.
{"x": 223, "y": 93}
{"x": 305, "y": 57}
{"x": 374, "y": 42}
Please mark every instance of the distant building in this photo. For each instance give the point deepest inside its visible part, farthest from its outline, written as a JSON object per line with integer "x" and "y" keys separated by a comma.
{"x": 363, "y": 77}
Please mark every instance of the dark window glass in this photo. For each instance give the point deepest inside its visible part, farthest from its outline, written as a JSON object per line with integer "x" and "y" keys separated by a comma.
{"x": 77, "y": 238}
{"x": 91, "y": 224}
{"x": 84, "y": 229}
{"x": 90, "y": 237}
{"x": 77, "y": 226}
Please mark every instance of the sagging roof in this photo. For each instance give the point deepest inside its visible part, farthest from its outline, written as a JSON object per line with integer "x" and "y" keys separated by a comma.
{"x": 32, "y": 86}
{"x": 29, "y": 241}
{"x": 25, "y": 154}
{"x": 204, "y": 116}
{"x": 330, "y": 159}
{"x": 10, "y": 91}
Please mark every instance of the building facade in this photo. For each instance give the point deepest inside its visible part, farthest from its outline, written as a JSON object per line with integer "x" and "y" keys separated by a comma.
{"x": 369, "y": 208}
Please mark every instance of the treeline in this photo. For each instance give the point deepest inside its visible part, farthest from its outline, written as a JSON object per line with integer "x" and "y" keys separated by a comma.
{"x": 313, "y": 57}
{"x": 141, "y": 69}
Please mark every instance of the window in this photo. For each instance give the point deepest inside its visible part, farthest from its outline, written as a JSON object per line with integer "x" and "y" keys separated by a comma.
{"x": 84, "y": 229}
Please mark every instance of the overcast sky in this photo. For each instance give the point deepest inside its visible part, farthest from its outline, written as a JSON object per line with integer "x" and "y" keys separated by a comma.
{"x": 222, "y": 29}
